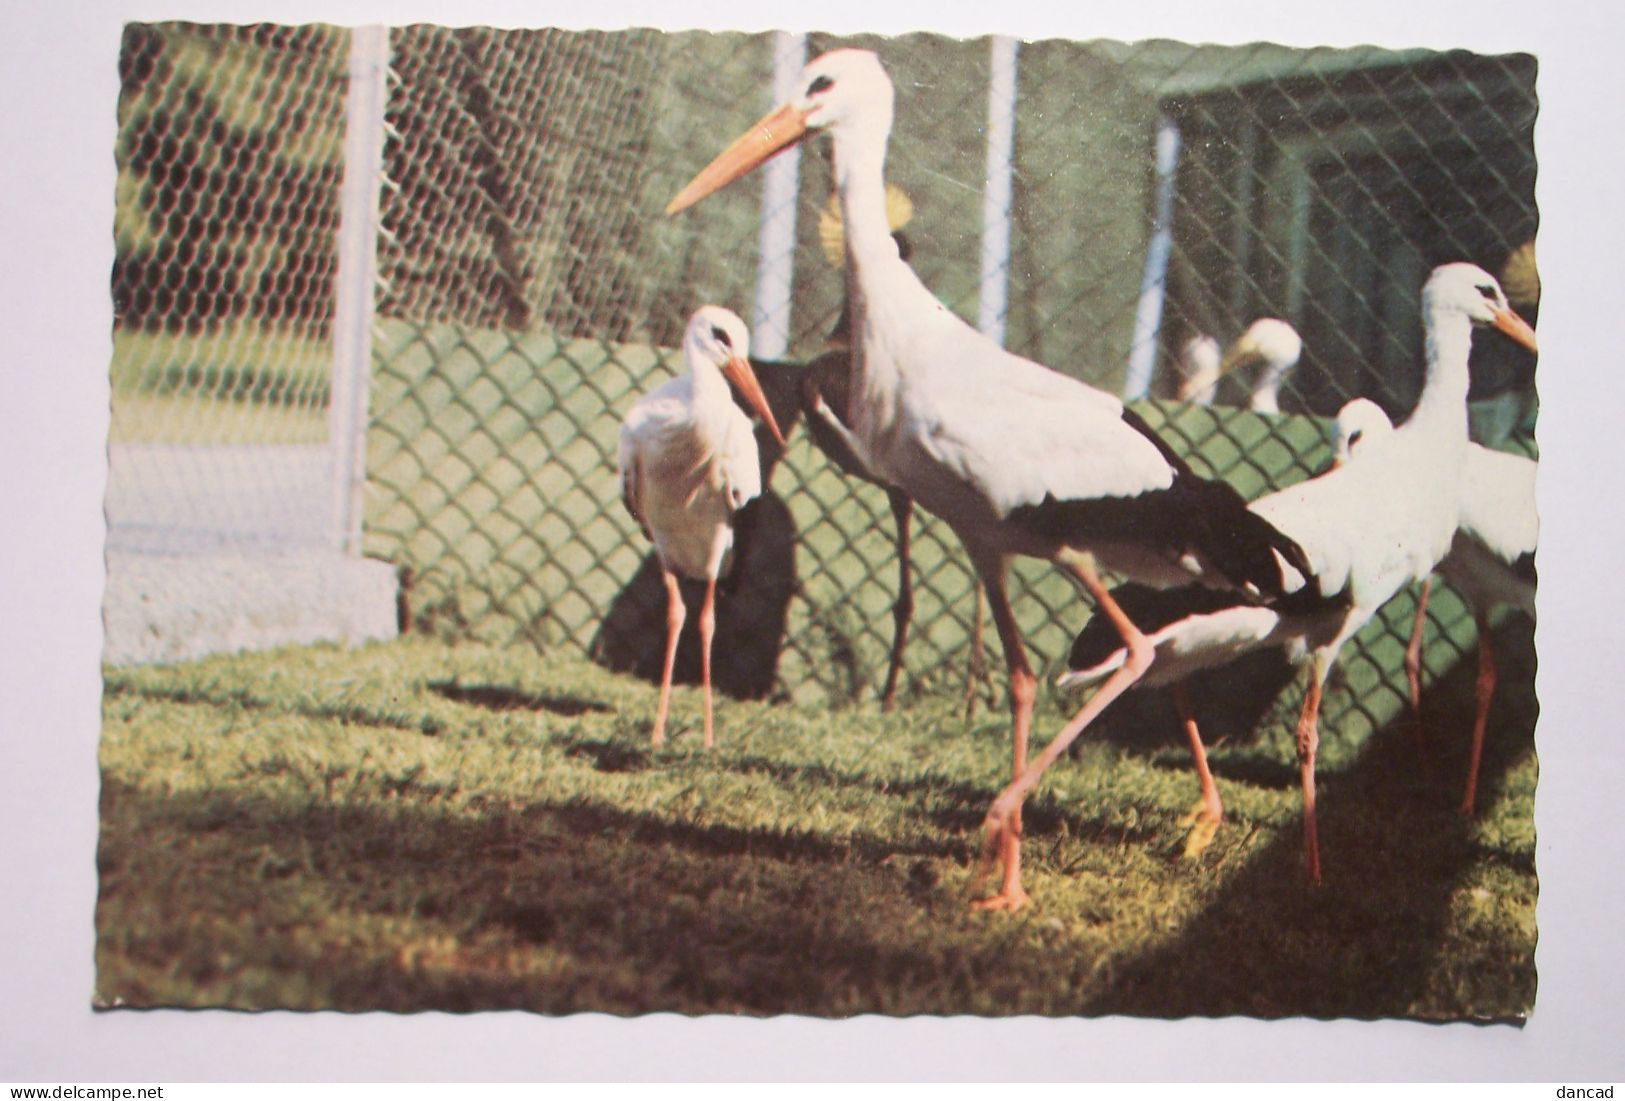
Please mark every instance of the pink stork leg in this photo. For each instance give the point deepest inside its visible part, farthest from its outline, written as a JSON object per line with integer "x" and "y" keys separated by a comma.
{"x": 1413, "y": 656}
{"x": 708, "y": 627}
{"x": 902, "y": 509}
{"x": 976, "y": 667}
{"x": 675, "y": 614}
{"x": 1023, "y": 690}
{"x": 1209, "y": 813}
{"x": 1308, "y": 742}
{"x": 1003, "y": 822}
{"x": 1486, "y": 689}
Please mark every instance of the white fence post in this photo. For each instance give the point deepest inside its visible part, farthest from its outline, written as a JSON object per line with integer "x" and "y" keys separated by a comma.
{"x": 992, "y": 307}
{"x": 356, "y": 279}
{"x": 775, "y": 267}
{"x": 1142, "y": 356}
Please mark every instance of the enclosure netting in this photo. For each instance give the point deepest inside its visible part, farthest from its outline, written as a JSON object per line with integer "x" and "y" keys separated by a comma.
{"x": 530, "y": 289}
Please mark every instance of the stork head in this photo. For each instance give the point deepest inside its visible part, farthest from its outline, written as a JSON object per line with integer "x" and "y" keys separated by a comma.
{"x": 1269, "y": 340}
{"x": 716, "y": 336}
{"x": 1358, "y": 423}
{"x": 843, "y": 91}
{"x": 1473, "y": 292}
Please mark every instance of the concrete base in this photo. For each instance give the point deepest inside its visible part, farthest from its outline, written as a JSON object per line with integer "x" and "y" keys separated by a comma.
{"x": 167, "y": 608}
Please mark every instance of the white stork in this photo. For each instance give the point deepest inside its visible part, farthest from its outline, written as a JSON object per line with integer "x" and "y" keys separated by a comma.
{"x": 1018, "y": 459}
{"x": 1369, "y": 527}
{"x": 688, "y": 463}
{"x": 1491, "y": 560}
{"x": 1275, "y": 347}
{"x": 1197, "y": 366}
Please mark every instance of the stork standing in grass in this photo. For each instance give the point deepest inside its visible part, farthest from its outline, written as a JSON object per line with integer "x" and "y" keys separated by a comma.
{"x": 1370, "y": 527}
{"x": 1018, "y": 459}
{"x": 1491, "y": 561}
{"x": 688, "y": 464}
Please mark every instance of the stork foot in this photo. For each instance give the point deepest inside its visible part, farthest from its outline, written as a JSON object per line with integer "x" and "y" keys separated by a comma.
{"x": 1006, "y": 901}
{"x": 1201, "y": 825}
{"x": 1002, "y": 845}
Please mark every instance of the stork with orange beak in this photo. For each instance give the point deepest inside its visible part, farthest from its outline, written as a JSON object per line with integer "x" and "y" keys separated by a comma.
{"x": 1491, "y": 560}
{"x": 688, "y": 464}
{"x": 1015, "y": 457}
{"x": 1370, "y": 526}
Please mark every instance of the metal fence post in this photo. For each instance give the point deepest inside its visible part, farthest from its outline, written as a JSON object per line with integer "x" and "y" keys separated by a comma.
{"x": 775, "y": 268}
{"x": 356, "y": 279}
{"x": 1142, "y": 356}
{"x": 1001, "y": 139}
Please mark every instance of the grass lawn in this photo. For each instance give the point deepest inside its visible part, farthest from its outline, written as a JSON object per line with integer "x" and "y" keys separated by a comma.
{"x": 237, "y": 384}
{"x": 417, "y": 825}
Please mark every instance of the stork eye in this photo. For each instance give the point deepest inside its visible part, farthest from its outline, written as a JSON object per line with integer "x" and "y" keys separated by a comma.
{"x": 718, "y": 333}
{"x": 1354, "y": 436}
{"x": 1487, "y": 290}
{"x": 822, "y": 84}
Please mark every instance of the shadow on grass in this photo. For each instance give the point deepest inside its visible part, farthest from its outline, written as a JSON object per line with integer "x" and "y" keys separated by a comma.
{"x": 496, "y": 697}
{"x": 1375, "y": 938}
{"x": 556, "y": 908}
{"x": 246, "y": 699}
{"x": 954, "y": 806}
{"x": 753, "y": 607}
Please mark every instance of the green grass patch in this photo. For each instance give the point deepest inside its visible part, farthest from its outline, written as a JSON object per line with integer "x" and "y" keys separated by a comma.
{"x": 417, "y": 826}
{"x": 241, "y": 383}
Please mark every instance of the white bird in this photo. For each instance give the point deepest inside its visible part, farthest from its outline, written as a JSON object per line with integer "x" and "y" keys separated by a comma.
{"x": 688, "y": 463}
{"x": 1359, "y": 422}
{"x": 1018, "y": 459}
{"x": 1369, "y": 527}
{"x": 1491, "y": 561}
{"x": 1275, "y": 347}
{"x": 1197, "y": 365}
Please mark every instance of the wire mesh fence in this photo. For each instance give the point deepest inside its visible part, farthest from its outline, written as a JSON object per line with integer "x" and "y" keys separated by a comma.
{"x": 229, "y": 158}
{"x": 530, "y": 290}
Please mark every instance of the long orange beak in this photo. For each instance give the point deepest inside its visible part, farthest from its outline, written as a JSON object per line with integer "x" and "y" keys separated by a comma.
{"x": 779, "y": 130}
{"x": 1243, "y": 351}
{"x": 740, "y": 374}
{"x": 1517, "y": 328}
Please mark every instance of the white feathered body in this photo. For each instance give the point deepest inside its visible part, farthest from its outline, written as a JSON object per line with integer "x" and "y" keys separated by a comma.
{"x": 1193, "y": 643}
{"x": 1499, "y": 526}
{"x": 1375, "y": 525}
{"x": 688, "y": 463}
{"x": 972, "y": 431}
{"x": 1366, "y": 536}
{"x": 1369, "y": 528}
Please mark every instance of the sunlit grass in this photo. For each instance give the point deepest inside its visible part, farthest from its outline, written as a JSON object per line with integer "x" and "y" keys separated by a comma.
{"x": 422, "y": 826}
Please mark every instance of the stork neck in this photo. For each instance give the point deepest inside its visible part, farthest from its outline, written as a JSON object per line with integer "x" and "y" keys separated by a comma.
{"x": 860, "y": 181}
{"x": 709, "y": 385}
{"x": 1444, "y": 389}
{"x": 1266, "y": 396}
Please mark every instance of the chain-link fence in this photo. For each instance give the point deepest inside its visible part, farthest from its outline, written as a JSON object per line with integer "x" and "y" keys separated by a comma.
{"x": 229, "y": 159}
{"x": 530, "y": 290}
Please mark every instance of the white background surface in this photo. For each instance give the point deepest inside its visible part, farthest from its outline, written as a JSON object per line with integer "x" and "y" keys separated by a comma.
{"x": 57, "y": 130}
